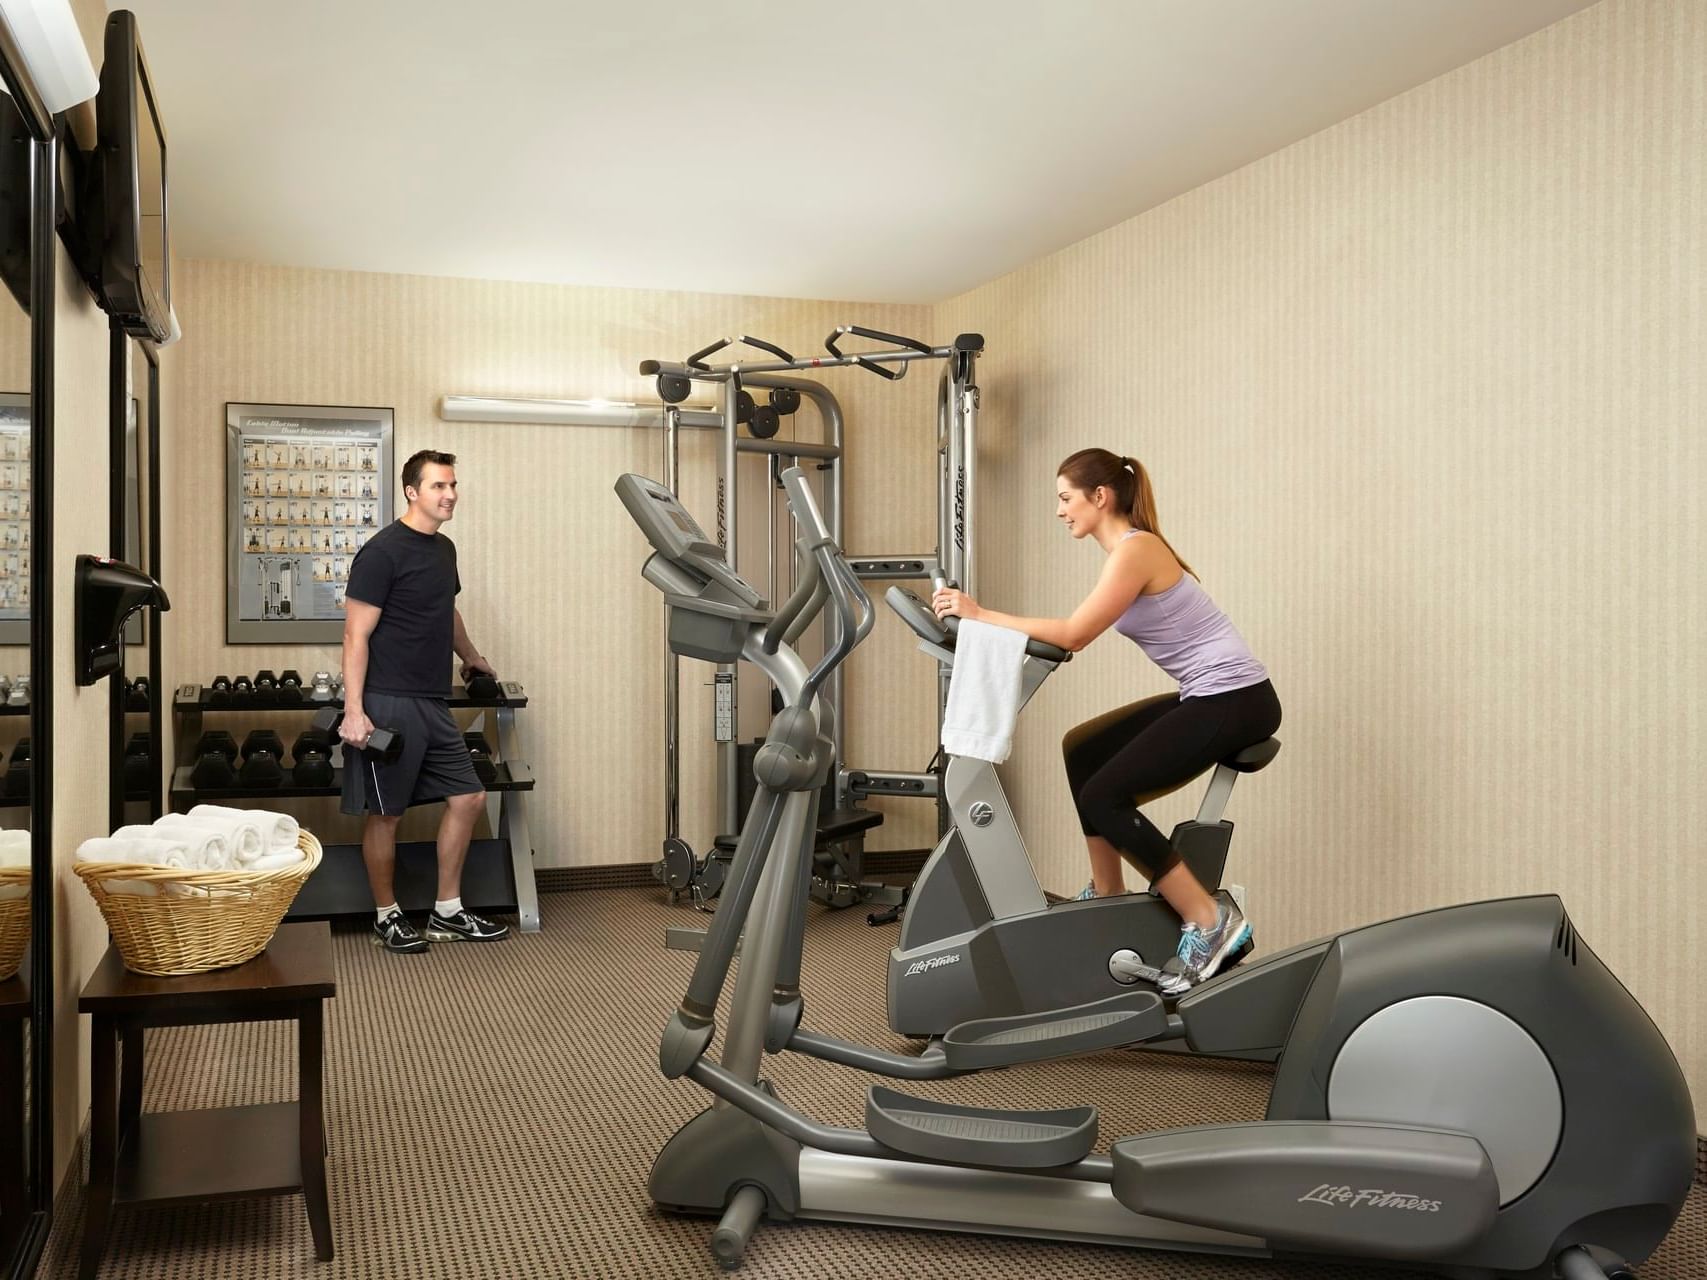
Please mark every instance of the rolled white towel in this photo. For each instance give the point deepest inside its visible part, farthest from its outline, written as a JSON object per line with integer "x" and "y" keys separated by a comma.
{"x": 14, "y": 856}
{"x": 278, "y": 830}
{"x": 141, "y": 831}
{"x": 277, "y": 861}
{"x": 160, "y": 853}
{"x": 205, "y": 848}
{"x": 14, "y": 836}
{"x": 240, "y": 842}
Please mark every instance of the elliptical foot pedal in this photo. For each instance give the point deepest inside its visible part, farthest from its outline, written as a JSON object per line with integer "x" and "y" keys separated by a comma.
{"x": 1117, "y": 1022}
{"x": 979, "y": 1135}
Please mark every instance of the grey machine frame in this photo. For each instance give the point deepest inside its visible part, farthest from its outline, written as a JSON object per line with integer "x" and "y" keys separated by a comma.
{"x": 1467, "y": 1090}
{"x": 840, "y": 881}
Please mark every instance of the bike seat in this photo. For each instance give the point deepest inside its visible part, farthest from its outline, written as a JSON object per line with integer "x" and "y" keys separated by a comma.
{"x": 1253, "y": 758}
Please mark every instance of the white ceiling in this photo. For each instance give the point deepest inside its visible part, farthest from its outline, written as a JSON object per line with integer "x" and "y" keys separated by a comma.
{"x": 898, "y": 152}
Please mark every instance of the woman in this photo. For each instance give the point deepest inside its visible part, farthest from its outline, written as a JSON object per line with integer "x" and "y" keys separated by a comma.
{"x": 1225, "y": 701}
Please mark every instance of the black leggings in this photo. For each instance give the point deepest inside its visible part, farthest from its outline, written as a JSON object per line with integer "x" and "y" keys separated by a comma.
{"x": 1131, "y": 756}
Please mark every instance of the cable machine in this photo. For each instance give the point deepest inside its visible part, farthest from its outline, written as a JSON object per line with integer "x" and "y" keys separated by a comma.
{"x": 838, "y": 879}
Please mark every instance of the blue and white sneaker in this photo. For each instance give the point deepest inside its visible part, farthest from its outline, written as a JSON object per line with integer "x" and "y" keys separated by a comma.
{"x": 1202, "y": 952}
{"x": 1087, "y": 893}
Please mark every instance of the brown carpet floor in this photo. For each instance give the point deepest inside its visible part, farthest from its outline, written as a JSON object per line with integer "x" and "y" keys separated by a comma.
{"x": 493, "y": 1112}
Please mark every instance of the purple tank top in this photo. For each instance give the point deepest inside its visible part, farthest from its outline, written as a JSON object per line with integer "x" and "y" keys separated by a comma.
{"x": 1184, "y": 634}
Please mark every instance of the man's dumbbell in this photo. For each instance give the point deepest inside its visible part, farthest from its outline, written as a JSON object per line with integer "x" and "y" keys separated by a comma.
{"x": 482, "y": 686}
{"x": 216, "y": 761}
{"x": 386, "y": 744}
{"x": 480, "y": 756}
{"x": 312, "y": 754}
{"x": 263, "y": 757}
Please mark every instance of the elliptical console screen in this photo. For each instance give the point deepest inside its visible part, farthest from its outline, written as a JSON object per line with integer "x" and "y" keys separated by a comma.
{"x": 676, "y": 512}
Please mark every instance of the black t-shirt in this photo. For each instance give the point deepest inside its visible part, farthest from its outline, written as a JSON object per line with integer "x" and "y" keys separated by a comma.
{"x": 411, "y": 578}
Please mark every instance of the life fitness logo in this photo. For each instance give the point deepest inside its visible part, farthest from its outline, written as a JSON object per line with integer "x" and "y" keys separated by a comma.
{"x": 932, "y": 962}
{"x": 1368, "y": 1198}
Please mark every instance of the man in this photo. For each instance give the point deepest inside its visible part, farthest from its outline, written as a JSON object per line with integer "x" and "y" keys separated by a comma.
{"x": 401, "y": 626}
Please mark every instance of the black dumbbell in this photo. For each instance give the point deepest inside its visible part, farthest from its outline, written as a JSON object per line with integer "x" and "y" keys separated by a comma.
{"x": 219, "y": 692}
{"x": 480, "y": 756}
{"x": 138, "y": 764}
{"x": 243, "y": 692}
{"x": 386, "y": 744}
{"x": 312, "y": 754}
{"x": 482, "y": 686}
{"x": 216, "y": 760}
{"x": 263, "y": 754}
{"x": 18, "y": 769}
{"x": 290, "y": 688}
{"x": 136, "y": 694}
{"x": 266, "y": 688}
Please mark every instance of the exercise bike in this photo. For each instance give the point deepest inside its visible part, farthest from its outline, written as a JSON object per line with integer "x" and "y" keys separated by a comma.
{"x": 979, "y": 938}
{"x": 1467, "y": 1090}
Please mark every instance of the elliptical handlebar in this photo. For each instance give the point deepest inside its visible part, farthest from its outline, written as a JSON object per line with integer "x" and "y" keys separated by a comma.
{"x": 853, "y": 606}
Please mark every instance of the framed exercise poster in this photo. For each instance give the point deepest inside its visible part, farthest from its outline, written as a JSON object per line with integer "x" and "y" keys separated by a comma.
{"x": 306, "y": 487}
{"x": 14, "y": 518}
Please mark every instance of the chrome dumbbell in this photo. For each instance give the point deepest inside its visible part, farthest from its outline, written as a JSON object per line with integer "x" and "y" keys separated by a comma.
{"x": 321, "y": 690}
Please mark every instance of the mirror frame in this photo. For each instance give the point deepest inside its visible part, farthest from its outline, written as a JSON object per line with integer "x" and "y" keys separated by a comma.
{"x": 31, "y": 1236}
{"x": 120, "y": 497}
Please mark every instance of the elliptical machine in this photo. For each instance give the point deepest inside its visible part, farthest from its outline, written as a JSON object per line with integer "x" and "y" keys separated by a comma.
{"x": 979, "y": 938}
{"x": 1467, "y": 1090}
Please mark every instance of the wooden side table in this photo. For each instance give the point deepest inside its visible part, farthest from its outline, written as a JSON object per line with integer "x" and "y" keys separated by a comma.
{"x": 221, "y": 1153}
{"x": 14, "y": 1147}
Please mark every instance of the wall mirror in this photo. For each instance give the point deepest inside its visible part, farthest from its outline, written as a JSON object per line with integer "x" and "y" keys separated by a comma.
{"x": 28, "y": 165}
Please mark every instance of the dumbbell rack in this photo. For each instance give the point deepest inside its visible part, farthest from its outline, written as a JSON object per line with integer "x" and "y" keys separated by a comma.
{"x": 498, "y": 875}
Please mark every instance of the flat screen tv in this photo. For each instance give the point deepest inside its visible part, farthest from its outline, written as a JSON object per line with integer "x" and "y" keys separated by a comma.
{"x": 135, "y": 259}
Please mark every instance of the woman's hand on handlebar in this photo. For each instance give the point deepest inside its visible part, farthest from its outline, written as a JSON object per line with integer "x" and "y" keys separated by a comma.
{"x": 948, "y": 600}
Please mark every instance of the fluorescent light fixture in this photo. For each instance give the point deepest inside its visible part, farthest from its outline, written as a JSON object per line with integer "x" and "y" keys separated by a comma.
{"x": 565, "y": 413}
{"x": 55, "y": 57}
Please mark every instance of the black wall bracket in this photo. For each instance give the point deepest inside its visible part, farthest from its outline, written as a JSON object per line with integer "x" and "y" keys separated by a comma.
{"x": 108, "y": 592}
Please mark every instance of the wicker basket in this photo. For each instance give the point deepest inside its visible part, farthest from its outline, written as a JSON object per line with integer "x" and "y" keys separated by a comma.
{"x": 14, "y": 920}
{"x": 199, "y": 920}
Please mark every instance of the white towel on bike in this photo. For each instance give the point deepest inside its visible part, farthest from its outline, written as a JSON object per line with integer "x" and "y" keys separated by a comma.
{"x": 983, "y": 692}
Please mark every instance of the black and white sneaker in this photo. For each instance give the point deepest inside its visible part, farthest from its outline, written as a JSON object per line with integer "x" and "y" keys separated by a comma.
{"x": 464, "y": 926}
{"x": 395, "y": 933}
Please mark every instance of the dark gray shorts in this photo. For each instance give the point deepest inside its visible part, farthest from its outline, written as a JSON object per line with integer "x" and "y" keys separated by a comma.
{"x": 434, "y": 763}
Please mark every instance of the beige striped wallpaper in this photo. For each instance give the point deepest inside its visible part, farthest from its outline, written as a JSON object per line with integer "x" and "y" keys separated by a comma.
{"x": 550, "y": 563}
{"x": 1422, "y": 397}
